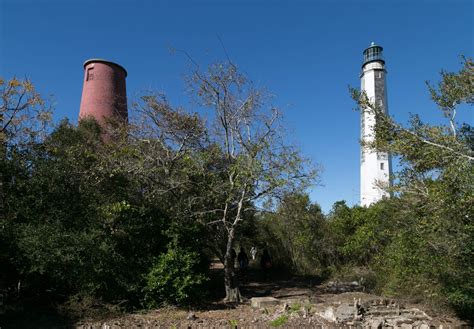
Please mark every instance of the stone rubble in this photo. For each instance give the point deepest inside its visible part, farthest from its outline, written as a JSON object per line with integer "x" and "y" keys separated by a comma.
{"x": 191, "y": 316}
{"x": 335, "y": 287}
{"x": 374, "y": 313}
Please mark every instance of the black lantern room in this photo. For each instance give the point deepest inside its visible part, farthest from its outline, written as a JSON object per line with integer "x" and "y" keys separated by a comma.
{"x": 373, "y": 53}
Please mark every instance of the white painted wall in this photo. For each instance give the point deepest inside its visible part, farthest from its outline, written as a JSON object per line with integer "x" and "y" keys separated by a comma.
{"x": 375, "y": 167}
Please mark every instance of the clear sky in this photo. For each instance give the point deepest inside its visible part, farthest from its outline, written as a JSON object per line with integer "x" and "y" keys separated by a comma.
{"x": 305, "y": 52}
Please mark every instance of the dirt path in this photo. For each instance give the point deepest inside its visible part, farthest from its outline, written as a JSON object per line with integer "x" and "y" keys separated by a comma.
{"x": 299, "y": 303}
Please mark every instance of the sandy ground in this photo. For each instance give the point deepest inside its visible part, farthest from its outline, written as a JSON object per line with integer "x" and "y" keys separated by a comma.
{"x": 302, "y": 302}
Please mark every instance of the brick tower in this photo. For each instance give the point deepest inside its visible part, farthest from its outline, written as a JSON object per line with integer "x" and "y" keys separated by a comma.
{"x": 104, "y": 92}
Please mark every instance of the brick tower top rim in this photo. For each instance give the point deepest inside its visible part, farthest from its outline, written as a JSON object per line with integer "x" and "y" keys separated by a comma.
{"x": 99, "y": 60}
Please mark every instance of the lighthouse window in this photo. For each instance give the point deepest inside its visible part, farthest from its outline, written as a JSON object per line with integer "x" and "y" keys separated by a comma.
{"x": 90, "y": 74}
{"x": 381, "y": 166}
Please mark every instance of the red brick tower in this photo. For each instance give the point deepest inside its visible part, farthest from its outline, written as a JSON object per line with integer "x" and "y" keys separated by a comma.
{"x": 104, "y": 93}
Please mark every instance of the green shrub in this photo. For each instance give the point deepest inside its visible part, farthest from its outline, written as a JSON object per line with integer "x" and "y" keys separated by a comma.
{"x": 461, "y": 299}
{"x": 176, "y": 278}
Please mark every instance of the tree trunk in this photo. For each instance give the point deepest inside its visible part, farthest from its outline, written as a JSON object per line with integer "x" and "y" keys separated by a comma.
{"x": 232, "y": 292}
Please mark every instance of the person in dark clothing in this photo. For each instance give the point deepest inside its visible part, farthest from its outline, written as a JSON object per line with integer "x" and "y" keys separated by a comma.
{"x": 265, "y": 263}
{"x": 243, "y": 260}
{"x": 233, "y": 255}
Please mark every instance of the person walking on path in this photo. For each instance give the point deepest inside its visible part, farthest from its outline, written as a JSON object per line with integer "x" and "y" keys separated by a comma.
{"x": 243, "y": 260}
{"x": 253, "y": 252}
{"x": 233, "y": 255}
{"x": 266, "y": 263}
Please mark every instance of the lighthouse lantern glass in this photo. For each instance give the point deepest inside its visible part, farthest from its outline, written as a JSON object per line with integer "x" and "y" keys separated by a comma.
{"x": 373, "y": 54}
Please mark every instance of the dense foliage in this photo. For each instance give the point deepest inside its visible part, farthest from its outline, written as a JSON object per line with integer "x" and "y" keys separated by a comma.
{"x": 297, "y": 235}
{"x": 77, "y": 221}
{"x": 75, "y": 226}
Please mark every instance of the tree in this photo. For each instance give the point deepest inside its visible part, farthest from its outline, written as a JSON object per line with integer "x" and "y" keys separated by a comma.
{"x": 297, "y": 235}
{"x": 24, "y": 115}
{"x": 251, "y": 156}
{"x": 216, "y": 173}
{"x": 361, "y": 233}
{"x": 222, "y": 171}
{"x": 24, "y": 118}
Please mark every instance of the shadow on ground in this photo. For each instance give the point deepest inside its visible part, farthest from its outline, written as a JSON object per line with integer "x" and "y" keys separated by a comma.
{"x": 37, "y": 316}
{"x": 278, "y": 282}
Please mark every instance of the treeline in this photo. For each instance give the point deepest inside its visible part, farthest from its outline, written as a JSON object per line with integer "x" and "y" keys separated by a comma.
{"x": 132, "y": 215}
{"x": 392, "y": 248}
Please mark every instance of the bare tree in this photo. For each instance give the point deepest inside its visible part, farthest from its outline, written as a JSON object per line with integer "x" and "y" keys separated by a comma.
{"x": 257, "y": 163}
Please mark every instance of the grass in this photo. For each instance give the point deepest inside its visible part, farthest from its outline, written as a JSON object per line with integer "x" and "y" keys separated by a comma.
{"x": 233, "y": 323}
{"x": 295, "y": 307}
{"x": 281, "y": 320}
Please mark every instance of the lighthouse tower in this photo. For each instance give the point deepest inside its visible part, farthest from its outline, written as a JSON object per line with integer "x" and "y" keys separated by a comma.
{"x": 375, "y": 167}
{"x": 104, "y": 93}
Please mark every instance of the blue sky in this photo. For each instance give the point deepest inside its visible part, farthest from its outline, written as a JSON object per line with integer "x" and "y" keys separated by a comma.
{"x": 305, "y": 52}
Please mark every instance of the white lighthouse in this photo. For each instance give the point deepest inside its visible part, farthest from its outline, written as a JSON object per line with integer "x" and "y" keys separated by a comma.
{"x": 375, "y": 167}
